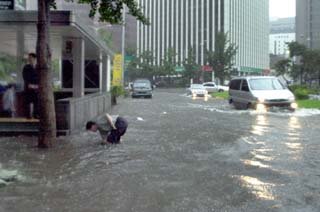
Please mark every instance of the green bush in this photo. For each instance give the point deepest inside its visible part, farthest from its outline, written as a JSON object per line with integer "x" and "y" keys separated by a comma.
{"x": 301, "y": 93}
{"x": 314, "y": 91}
{"x": 117, "y": 91}
{"x": 293, "y": 88}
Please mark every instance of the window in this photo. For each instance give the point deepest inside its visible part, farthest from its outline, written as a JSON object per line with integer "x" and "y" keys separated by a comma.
{"x": 235, "y": 84}
{"x": 245, "y": 86}
{"x": 266, "y": 84}
{"x": 209, "y": 85}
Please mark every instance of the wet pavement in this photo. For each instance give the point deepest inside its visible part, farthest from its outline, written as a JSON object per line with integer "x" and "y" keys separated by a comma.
{"x": 179, "y": 154}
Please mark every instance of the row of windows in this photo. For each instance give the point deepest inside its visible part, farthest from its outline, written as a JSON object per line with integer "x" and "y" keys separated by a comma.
{"x": 180, "y": 25}
{"x": 185, "y": 24}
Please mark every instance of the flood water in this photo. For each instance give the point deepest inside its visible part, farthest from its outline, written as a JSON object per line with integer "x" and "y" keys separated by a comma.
{"x": 179, "y": 154}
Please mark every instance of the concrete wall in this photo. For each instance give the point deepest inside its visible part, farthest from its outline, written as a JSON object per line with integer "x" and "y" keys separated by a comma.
{"x": 73, "y": 113}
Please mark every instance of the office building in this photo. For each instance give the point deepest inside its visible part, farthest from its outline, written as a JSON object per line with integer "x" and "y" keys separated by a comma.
{"x": 282, "y": 31}
{"x": 186, "y": 24}
{"x": 307, "y": 23}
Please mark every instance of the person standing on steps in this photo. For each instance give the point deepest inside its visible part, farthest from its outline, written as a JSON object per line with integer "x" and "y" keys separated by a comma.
{"x": 31, "y": 86}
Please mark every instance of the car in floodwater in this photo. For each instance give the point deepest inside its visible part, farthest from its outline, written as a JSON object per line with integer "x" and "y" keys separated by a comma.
{"x": 260, "y": 93}
{"x": 197, "y": 90}
{"x": 142, "y": 88}
{"x": 213, "y": 87}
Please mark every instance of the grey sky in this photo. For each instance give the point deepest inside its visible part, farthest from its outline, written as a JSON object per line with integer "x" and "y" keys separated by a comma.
{"x": 282, "y": 8}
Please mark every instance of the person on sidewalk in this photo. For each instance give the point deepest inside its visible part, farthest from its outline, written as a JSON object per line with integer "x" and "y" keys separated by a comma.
{"x": 31, "y": 86}
{"x": 111, "y": 128}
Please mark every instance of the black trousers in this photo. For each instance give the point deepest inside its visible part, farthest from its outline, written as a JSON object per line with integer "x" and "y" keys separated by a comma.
{"x": 32, "y": 97}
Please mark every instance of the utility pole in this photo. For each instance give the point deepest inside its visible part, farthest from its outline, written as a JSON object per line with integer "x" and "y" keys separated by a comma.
{"x": 123, "y": 42}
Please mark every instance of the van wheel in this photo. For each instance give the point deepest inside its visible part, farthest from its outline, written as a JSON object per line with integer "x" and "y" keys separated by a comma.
{"x": 220, "y": 90}
{"x": 236, "y": 105}
{"x": 248, "y": 106}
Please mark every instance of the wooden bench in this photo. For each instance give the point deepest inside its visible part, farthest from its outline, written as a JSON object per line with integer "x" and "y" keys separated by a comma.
{"x": 17, "y": 126}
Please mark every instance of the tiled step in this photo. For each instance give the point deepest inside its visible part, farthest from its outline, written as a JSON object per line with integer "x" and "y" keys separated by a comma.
{"x": 16, "y": 126}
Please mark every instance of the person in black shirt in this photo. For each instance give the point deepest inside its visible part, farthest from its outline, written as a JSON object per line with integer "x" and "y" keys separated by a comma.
{"x": 31, "y": 86}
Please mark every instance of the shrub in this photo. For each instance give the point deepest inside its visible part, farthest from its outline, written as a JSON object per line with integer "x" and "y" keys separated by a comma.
{"x": 314, "y": 91}
{"x": 117, "y": 91}
{"x": 301, "y": 93}
{"x": 293, "y": 88}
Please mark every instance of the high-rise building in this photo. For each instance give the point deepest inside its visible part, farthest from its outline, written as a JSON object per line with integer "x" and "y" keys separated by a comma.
{"x": 185, "y": 24}
{"x": 282, "y": 31}
{"x": 307, "y": 23}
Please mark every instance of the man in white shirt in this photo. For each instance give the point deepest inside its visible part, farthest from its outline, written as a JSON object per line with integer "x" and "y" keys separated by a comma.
{"x": 111, "y": 128}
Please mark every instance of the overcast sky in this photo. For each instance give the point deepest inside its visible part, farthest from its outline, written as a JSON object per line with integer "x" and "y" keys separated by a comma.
{"x": 282, "y": 8}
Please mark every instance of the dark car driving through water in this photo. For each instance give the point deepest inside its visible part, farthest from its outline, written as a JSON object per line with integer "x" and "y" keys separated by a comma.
{"x": 142, "y": 88}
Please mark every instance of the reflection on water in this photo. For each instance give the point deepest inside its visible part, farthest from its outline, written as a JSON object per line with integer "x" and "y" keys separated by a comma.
{"x": 255, "y": 163}
{"x": 294, "y": 144}
{"x": 260, "y": 127}
{"x": 260, "y": 189}
{"x": 294, "y": 123}
{"x": 262, "y": 157}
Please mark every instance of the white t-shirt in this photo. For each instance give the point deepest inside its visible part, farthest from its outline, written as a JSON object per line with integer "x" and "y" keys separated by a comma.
{"x": 8, "y": 100}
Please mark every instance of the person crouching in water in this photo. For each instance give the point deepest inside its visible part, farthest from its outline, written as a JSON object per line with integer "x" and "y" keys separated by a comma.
{"x": 110, "y": 128}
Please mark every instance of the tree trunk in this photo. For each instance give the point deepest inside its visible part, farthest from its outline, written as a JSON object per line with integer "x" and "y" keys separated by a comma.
{"x": 47, "y": 128}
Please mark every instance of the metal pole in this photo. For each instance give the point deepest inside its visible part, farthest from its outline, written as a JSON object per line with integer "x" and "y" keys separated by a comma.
{"x": 123, "y": 41}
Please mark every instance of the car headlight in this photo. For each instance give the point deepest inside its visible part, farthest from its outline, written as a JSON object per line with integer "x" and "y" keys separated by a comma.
{"x": 294, "y": 105}
{"x": 261, "y": 108}
{"x": 261, "y": 100}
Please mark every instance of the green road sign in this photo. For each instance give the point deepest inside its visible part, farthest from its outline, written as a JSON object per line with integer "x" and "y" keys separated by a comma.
{"x": 180, "y": 69}
{"x": 251, "y": 69}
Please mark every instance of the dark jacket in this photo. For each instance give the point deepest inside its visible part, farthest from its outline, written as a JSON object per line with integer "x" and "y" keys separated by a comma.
{"x": 30, "y": 76}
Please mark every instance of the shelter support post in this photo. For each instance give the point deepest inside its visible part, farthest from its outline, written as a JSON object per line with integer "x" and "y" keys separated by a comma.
{"x": 78, "y": 67}
{"x": 20, "y": 57}
{"x": 108, "y": 73}
{"x": 105, "y": 74}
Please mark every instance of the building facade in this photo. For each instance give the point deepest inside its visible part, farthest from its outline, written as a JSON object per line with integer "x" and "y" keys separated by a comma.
{"x": 282, "y": 31}
{"x": 185, "y": 24}
{"x": 308, "y": 23}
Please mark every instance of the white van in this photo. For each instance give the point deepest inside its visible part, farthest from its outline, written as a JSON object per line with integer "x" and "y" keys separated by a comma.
{"x": 260, "y": 93}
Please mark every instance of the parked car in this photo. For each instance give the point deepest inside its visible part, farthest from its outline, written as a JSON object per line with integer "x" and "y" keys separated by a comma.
{"x": 142, "y": 88}
{"x": 197, "y": 90}
{"x": 260, "y": 93}
{"x": 213, "y": 87}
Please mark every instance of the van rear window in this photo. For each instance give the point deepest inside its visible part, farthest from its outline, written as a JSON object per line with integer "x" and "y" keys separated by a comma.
{"x": 235, "y": 84}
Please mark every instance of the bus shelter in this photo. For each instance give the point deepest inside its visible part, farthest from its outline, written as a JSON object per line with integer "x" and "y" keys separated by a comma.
{"x": 84, "y": 63}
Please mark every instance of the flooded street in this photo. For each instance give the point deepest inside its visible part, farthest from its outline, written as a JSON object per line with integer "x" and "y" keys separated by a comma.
{"x": 179, "y": 154}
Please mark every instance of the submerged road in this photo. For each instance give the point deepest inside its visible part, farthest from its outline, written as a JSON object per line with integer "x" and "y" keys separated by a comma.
{"x": 179, "y": 154}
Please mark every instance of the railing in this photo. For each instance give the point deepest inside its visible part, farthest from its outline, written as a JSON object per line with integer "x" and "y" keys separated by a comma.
{"x": 73, "y": 113}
